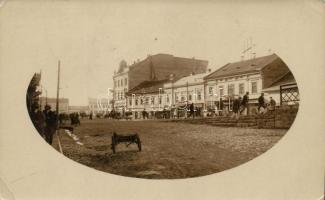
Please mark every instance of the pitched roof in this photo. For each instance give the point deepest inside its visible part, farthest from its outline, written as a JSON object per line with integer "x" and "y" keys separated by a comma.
{"x": 192, "y": 79}
{"x": 288, "y": 78}
{"x": 241, "y": 67}
{"x": 146, "y": 87}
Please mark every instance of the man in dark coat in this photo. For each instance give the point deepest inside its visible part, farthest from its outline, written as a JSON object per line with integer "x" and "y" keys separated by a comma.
{"x": 261, "y": 102}
{"x": 51, "y": 124}
{"x": 192, "y": 110}
{"x": 244, "y": 104}
{"x": 144, "y": 114}
{"x": 236, "y": 107}
{"x": 220, "y": 107}
{"x": 272, "y": 104}
{"x": 39, "y": 122}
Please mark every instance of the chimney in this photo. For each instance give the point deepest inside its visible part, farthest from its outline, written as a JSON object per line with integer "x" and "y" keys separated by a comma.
{"x": 209, "y": 70}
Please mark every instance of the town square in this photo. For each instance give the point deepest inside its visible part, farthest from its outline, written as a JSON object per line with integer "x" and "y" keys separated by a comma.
{"x": 166, "y": 100}
{"x": 169, "y": 117}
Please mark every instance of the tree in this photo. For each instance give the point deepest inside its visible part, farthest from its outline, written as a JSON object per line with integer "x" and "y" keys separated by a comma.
{"x": 32, "y": 96}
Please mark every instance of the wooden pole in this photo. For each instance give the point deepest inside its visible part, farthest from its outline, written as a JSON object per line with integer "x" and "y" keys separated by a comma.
{"x": 45, "y": 97}
{"x": 57, "y": 108}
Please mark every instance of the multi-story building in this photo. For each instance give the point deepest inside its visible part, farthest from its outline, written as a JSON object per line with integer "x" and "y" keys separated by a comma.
{"x": 154, "y": 68}
{"x": 237, "y": 78}
{"x": 121, "y": 86}
{"x": 205, "y": 90}
{"x": 63, "y": 104}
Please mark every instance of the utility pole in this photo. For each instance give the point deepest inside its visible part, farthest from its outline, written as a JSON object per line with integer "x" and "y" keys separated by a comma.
{"x": 57, "y": 108}
{"x": 45, "y": 97}
{"x": 57, "y": 90}
{"x": 248, "y": 47}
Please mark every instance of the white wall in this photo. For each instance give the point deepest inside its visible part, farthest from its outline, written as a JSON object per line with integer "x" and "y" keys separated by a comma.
{"x": 236, "y": 80}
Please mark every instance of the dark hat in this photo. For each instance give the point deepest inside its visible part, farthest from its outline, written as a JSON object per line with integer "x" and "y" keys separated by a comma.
{"x": 47, "y": 107}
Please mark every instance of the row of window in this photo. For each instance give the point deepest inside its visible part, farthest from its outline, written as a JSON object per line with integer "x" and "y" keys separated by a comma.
{"x": 153, "y": 100}
{"x": 181, "y": 96}
{"x": 231, "y": 89}
{"x": 119, "y": 96}
{"x": 147, "y": 100}
{"x": 120, "y": 83}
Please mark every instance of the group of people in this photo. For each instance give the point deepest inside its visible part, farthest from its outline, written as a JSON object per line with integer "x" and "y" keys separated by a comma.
{"x": 46, "y": 122}
{"x": 74, "y": 118}
{"x": 264, "y": 106}
{"x": 240, "y": 105}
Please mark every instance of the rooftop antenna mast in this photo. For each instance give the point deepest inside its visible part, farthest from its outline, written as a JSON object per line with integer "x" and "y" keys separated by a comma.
{"x": 248, "y": 47}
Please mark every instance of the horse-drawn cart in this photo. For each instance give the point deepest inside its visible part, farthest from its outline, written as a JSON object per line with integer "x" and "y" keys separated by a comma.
{"x": 129, "y": 139}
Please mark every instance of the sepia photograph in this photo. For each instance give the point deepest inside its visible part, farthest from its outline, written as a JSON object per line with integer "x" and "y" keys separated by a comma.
{"x": 150, "y": 99}
{"x": 167, "y": 117}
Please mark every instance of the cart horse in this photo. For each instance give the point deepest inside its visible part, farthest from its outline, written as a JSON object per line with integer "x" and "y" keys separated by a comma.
{"x": 128, "y": 138}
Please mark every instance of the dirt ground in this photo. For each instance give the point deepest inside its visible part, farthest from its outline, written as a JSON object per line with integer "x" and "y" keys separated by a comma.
{"x": 169, "y": 150}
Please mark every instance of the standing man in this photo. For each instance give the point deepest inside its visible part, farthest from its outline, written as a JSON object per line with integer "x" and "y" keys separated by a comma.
{"x": 261, "y": 103}
{"x": 39, "y": 121}
{"x": 192, "y": 110}
{"x": 244, "y": 104}
{"x": 144, "y": 113}
{"x": 236, "y": 107}
{"x": 51, "y": 124}
{"x": 272, "y": 104}
{"x": 221, "y": 107}
{"x": 91, "y": 115}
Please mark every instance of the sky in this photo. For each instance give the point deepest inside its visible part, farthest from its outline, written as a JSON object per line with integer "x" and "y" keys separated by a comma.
{"x": 91, "y": 38}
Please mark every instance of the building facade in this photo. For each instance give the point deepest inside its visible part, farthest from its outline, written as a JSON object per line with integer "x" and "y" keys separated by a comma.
{"x": 235, "y": 79}
{"x": 185, "y": 91}
{"x": 121, "y": 86}
{"x": 208, "y": 91}
{"x": 147, "y": 96}
{"x": 154, "y": 68}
